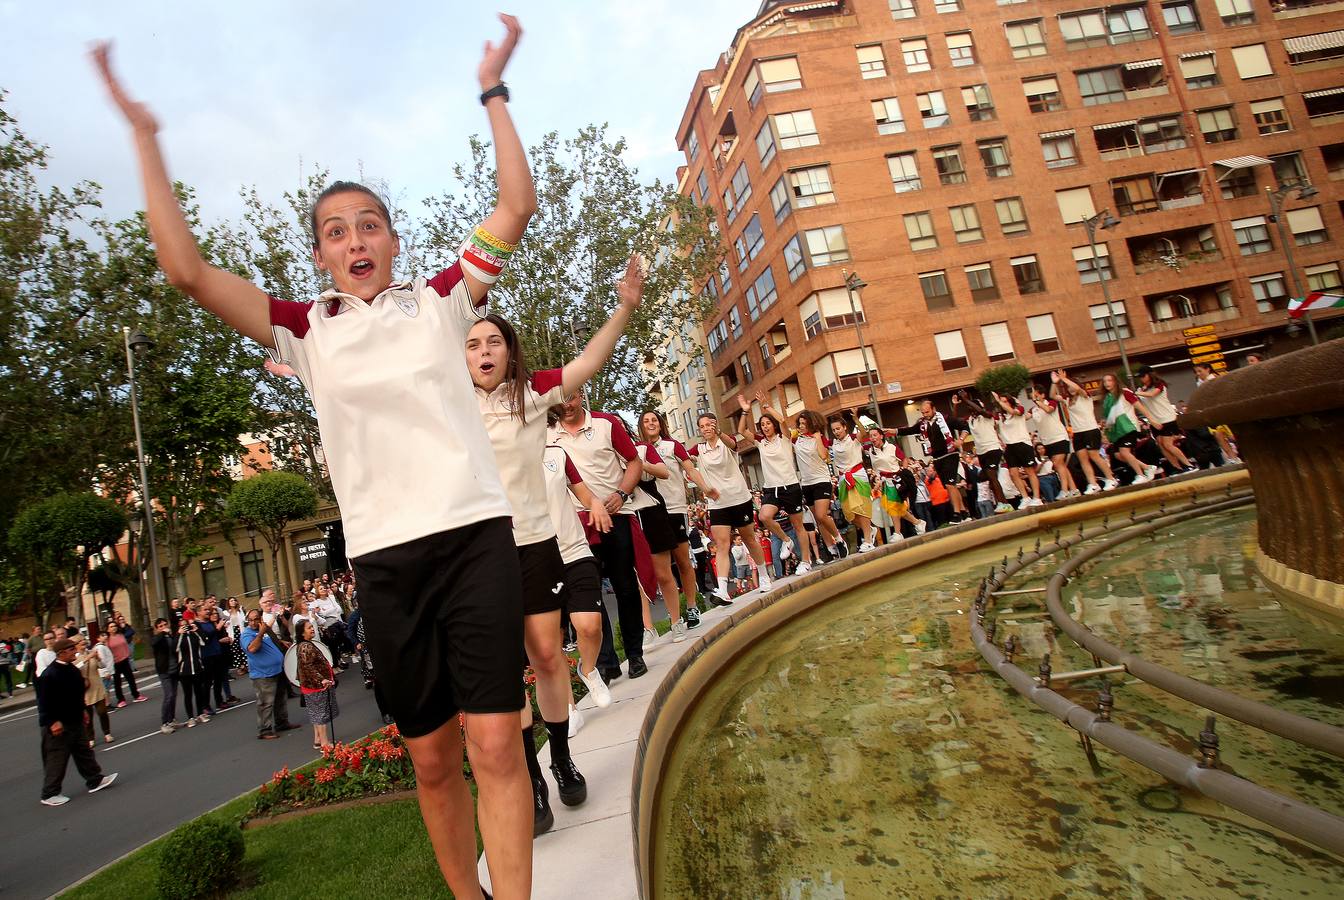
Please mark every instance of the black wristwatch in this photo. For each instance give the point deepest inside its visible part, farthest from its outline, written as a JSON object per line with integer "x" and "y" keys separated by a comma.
{"x": 499, "y": 90}
{"x": 624, "y": 496}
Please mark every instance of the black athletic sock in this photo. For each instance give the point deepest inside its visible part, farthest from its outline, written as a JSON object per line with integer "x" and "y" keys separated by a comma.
{"x": 559, "y": 732}
{"x": 530, "y": 751}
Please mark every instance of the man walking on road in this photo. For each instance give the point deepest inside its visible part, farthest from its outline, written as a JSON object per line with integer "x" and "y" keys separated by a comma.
{"x": 60, "y": 715}
{"x": 265, "y": 663}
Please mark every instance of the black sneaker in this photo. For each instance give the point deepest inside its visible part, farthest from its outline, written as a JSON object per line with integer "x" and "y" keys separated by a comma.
{"x": 569, "y": 783}
{"x": 692, "y": 617}
{"x": 611, "y": 674}
{"x": 840, "y": 550}
{"x": 637, "y": 667}
{"x": 542, "y": 817}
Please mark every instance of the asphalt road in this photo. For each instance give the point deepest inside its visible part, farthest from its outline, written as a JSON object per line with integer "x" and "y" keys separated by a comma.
{"x": 162, "y": 781}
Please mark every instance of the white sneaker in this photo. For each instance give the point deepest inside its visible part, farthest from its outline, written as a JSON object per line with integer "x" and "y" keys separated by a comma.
{"x": 58, "y": 800}
{"x": 786, "y": 550}
{"x": 1142, "y": 479}
{"x": 106, "y": 782}
{"x": 679, "y": 631}
{"x": 896, "y": 536}
{"x": 921, "y": 526}
{"x": 191, "y": 723}
{"x": 1034, "y": 501}
{"x": 166, "y": 729}
{"x": 1151, "y": 472}
{"x": 866, "y": 547}
{"x": 803, "y": 568}
{"x": 1093, "y": 488}
{"x": 650, "y": 637}
{"x": 721, "y": 597}
{"x": 203, "y": 719}
{"x": 765, "y": 586}
{"x": 597, "y": 687}
{"x": 575, "y": 720}
{"x": 1003, "y": 508}
{"x": 1110, "y": 484}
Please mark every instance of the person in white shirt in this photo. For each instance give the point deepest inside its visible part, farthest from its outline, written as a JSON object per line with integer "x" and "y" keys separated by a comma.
{"x": 982, "y": 423}
{"x": 426, "y": 518}
{"x": 653, "y": 431}
{"x": 780, "y": 487}
{"x": 730, "y": 506}
{"x": 1086, "y": 431}
{"x": 811, "y": 449}
{"x": 46, "y": 656}
{"x": 1017, "y": 449}
{"x": 1221, "y": 433}
{"x": 852, "y": 484}
{"x": 1050, "y": 431}
{"x": 1162, "y": 419}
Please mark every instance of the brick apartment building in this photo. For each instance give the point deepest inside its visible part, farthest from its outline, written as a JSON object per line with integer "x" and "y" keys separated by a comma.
{"x": 945, "y": 151}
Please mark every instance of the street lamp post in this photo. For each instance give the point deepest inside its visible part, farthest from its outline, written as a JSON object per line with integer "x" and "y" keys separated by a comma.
{"x": 854, "y": 283}
{"x": 137, "y": 524}
{"x": 138, "y": 343}
{"x": 1276, "y": 198}
{"x": 1108, "y": 221}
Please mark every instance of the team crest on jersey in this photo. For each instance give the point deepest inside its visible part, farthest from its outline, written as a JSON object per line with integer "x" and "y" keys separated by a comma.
{"x": 407, "y": 304}
{"x": 550, "y": 465}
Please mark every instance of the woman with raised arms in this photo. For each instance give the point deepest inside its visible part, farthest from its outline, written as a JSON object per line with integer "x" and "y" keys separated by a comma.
{"x": 780, "y": 487}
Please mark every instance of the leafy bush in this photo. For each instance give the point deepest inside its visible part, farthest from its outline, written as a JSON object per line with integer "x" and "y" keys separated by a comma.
{"x": 1006, "y": 380}
{"x": 199, "y": 859}
{"x": 377, "y": 764}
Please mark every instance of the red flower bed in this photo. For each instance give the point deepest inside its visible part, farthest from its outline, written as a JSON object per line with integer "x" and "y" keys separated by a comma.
{"x": 377, "y": 764}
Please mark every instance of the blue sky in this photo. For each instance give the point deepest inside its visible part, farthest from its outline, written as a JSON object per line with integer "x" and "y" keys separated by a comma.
{"x": 254, "y": 93}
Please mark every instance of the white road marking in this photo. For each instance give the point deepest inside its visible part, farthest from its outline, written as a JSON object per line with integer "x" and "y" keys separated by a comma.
{"x": 157, "y": 733}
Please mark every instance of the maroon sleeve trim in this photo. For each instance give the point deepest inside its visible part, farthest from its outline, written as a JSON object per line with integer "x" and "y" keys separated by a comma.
{"x": 653, "y": 456}
{"x": 293, "y": 317}
{"x": 571, "y": 471}
{"x": 679, "y": 451}
{"x": 547, "y": 380}
{"x": 1130, "y": 395}
{"x": 444, "y": 282}
{"x": 620, "y": 438}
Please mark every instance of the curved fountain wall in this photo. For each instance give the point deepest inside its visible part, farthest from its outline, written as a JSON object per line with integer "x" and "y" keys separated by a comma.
{"x": 1288, "y": 417}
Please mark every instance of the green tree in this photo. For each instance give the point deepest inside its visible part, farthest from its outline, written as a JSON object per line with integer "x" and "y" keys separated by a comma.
{"x": 268, "y": 502}
{"x": 1007, "y": 380}
{"x": 63, "y": 532}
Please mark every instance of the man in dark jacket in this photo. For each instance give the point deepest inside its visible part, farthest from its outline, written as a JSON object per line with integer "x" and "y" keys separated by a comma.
{"x": 165, "y": 664}
{"x": 60, "y": 715}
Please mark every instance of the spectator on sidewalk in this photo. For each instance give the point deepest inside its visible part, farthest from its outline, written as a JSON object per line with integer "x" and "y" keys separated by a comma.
{"x": 265, "y": 664}
{"x": 128, "y": 633}
{"x": 121, "y": 658}
{"x": 45, "y": 655}
{"x": 190, "y": 647}
{"x": 165, "y": 665}
{"x": 95, "y": 691}
{"x": 8, "y": 657}
{"x": 60, "y": 715}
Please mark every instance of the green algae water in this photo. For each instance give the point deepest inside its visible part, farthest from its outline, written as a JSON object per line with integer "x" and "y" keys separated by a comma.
{"x": 864, "y": 750}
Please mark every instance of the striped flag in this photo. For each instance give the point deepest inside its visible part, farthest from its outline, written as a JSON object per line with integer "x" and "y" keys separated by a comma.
{"x": 1316, "y": 300}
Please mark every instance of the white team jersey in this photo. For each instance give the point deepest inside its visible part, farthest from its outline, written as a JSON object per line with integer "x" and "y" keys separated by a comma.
{"x": 557, "y": 472}
{"x": 1014, "y": 429}
{"x": 1049, "y": 429}
{"x": 811, "y": 467}
{"x": 518, "y": 446}
{"x": 673, "y": 488}
{"x": 884, "y": 458}
{"x": 1082, "y": 413}
{"x": 722, "y": 470}
{"x": 777, "y": 466}
{"x": 1160, "y": 408}
{"x": 846, "y": 453}
{"x": 984, "y": 434}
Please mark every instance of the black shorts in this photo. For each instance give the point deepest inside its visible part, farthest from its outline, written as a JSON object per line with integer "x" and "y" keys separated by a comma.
{"x": 543, "y": 576}
{"x": 658, "y": 529}
{"x": 788, "y": 498}
{"x": 1128, "y": 440}
{"x": 583, "y": 586}
{"x": 1058, "y": 448}
{"x": 1169, "y": 429}
{"x": 813, "y": 493}
{"x": 443, "y": 615}
{"x": 679, "y": 528}
{"x": 991, "y": 459}
{"x": 732, "y": 516}
{"x": 1019, "y": 455}
{"x": 1087, "y": 440}
{"x": 947, "y": 467}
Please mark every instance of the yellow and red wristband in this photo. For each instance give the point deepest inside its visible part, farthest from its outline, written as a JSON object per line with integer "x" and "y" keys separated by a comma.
{"x": 483, "y": 255}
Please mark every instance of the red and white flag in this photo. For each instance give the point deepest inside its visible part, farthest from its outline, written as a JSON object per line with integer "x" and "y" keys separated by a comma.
{"x": 1313, "y": 302}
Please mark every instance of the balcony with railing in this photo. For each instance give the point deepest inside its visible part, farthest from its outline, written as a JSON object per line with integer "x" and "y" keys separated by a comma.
{"x": 1173, "y": 250}
{"x": 1292, "y": 9}
{"x": 1203, "y": 305}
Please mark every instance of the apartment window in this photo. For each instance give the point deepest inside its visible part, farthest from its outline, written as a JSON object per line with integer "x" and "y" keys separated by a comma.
{"x": 966, "y": 223}
{"x": 1200, "y": 70}
{"x": 915, "y": 52}
{"x": 1027, "y": 274}
{"x": 1083, "y": 29}
{"x": 692, "y": 145}
{"x": 830, "y": 308}
{"x": 772, "y": 75}
{"x": 766, "y": 294}
{"x": 1128, "y": 23}
{"x": 1098, "y": 86}
{"x": 1181, "y": 17}
{"x": 1042, "y": 94}
{"x": 1217, "y": 125}
{"x": 1041, "y": 330}
{"x": 1134, "y": 194}
{"x": 1324, "y": 277}
{"x": 796, "y": 129}
{"x": 711, "y": 292}
{"x": 904, "y": 172}
{"x": 730, "y": 379}
{"x": 1238, "y": 183}
{"x": 946, "y": 6}
{"x": 1026, "y": 38}
{"x": 748, "y": 376}
{"x": 1310, "y": 48}
{"x": 887, "y": 114}
{"x": 735, "y": 322}
{"x": 725, "y": 277}
{"x": 1103, "y": 324}
{"x": 1270, "y": 292}
{"x": 1307, "y": 226}
{"x": 827, "y": 245}
{"x": 872, "y": 63}
{"x": 902, "y": 9}
{"x": 779, "y": 200}
{"x": 919, "y": 229}
{"x": 1060, "y": 149}
{"x": 717, "y": 338}
{"x": 794, "y": 260}
{"x": 998, "y": 343}
{"x": 1326, "y": 104}
{"x": 1075, "y": 204}
{"x": 933, "y": 109}
{"x": 739, "y": 188}
{"x": 1270, "y": 116}
{"x": 1236, "y": 12}
{"x": 688, "y": 421}
{"x": 1289, "y": 170}
{"x": 1093, "y": 268}
{"x": 1252, "y": 235}
{"x": 947, "y": 160}
{"x": 754, "y": 236}
{"x": 251, "y": 563}
{"x": 994, "y": 155}
{"x": 1251, "y": 61}
{"x": 765, "y": 144}
{"x": 951, "y": 350}
{"x": 811, "y": 186}
{"x": 937, "y": 295}
{"x": 980, "y": 279}
{"x": 740, "y": 245}
{"x": 774, "y": 346}
{"x": 979, "y": 103}
{"x": 823, "y": 370}
{"x": 1012, "y": 215}
{"x": 1160, "y": 134}
{"x": 855, "y": 368}
{"x": 961, "y": 49}
{"x": 702, "y": 185}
